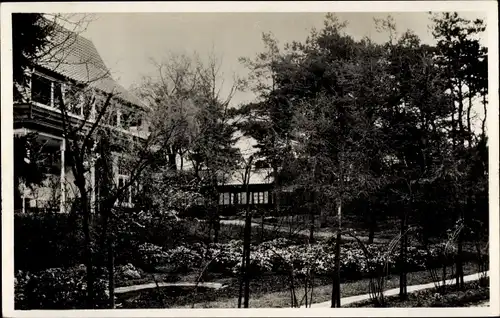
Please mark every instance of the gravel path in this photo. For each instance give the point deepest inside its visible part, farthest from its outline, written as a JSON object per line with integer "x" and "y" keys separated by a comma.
{"x": 395, "y": 291}
{"x": 126, "y": 289}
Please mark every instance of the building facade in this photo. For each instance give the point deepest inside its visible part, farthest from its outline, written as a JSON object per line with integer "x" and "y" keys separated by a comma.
{"x": 75, "y": 74}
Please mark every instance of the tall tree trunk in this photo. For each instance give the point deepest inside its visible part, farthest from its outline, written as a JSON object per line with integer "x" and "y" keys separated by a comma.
{"x": 469, "y": 123}
{"x": 216, "y": 223}
{"x": 403, "y": 292}
{"x": 371, "y": 233}
{"x": 111, "y": 272}
{"x": 88, "y": 251}
{"x": 172, "y": 158}
{"x": 485, "y": 110}
{"x": 311, "y": 229}
{"x": 262, "y": 237}
{"x": 244, "y": 290}
{"x": 80, "y": 182}
{"x": 276, "y": 198}
{"x": 372, "y": 224}
{"x": 248, "y": 235}
{"x": 105, "y": 210}
{"x": 336, "y": 275}
{"x": 460, "y": 113}
{"x": 459, "y": 261}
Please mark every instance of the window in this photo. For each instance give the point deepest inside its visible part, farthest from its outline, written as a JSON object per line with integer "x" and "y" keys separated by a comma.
{"x": 124, "y": 119}
{"x": 266, "y": 197}
{"x": 221, "y": 198}
{"x": 261, "y": 197}
{"x": 242, "y": 198}
{"x": 122, "y": 168}
{"x": 136, "y": 121}
{"x": 110, "y": 116}
{"x": 126, "y": 197}
{"x": 255, "y": 198}
{"x": 78, "y": 105}
{"x": 50, "y": 93}
{"x": 58, "y": 93}
{"x": 131, "y": 119}
{"x": 41, "y": 90}
{"x": 226, "y": 198}
{"x": 75, "y": 99}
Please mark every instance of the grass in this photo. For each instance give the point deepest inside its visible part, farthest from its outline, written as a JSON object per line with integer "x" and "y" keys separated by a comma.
{"x": 321, "y": 293}
{"x": 259, "y": 286}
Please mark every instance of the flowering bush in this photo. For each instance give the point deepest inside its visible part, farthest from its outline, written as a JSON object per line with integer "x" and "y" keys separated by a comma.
{"x": 225, "y": 256}
{"x": 56, "y": 288}
{"x": 152, "y": 255}
{"x": 354, "y": 262}
{"x": 282, "y": 256}
{"x": 183, "y": 258}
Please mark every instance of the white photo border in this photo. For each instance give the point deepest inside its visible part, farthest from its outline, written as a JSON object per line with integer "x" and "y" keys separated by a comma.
{"x": 490, "y": 8}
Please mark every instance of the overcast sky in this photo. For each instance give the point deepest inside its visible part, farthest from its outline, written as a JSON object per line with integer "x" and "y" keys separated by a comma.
{"x": 127, "y": 41}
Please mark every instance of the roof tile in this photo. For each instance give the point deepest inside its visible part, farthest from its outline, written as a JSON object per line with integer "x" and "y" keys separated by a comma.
{"x": 76, "y": 57}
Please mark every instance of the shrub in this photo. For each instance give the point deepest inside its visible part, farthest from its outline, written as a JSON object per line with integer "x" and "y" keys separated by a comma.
{"x": 225, "y": 256}
{"x": 56, "y": 237}
{"x": 152, "y": 256}
{"x": 56, "y": 288}
{"x": 183, "y": 258}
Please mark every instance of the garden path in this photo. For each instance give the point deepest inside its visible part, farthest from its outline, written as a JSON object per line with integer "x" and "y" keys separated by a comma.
{"x": 395, "y": 291}
{"x": 126, "y": 289}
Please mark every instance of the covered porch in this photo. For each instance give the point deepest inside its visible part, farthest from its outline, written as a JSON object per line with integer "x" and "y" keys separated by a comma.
{"x": 57, "y": 191}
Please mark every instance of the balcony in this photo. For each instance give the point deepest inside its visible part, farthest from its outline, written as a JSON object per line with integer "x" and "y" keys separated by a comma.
{"x": 43, "y": 113}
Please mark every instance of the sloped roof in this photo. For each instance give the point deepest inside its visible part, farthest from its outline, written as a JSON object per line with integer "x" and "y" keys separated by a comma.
{"x": 75, "y": 57}
{"x": 257, "y": 176}
{"x": 235, "y": 177}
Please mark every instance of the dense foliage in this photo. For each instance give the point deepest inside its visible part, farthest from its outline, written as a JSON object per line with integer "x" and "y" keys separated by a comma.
{"x": 56, "y": 288}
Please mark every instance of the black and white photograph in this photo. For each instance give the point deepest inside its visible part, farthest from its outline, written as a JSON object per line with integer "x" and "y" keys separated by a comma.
{"x": 339, "y": 156}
